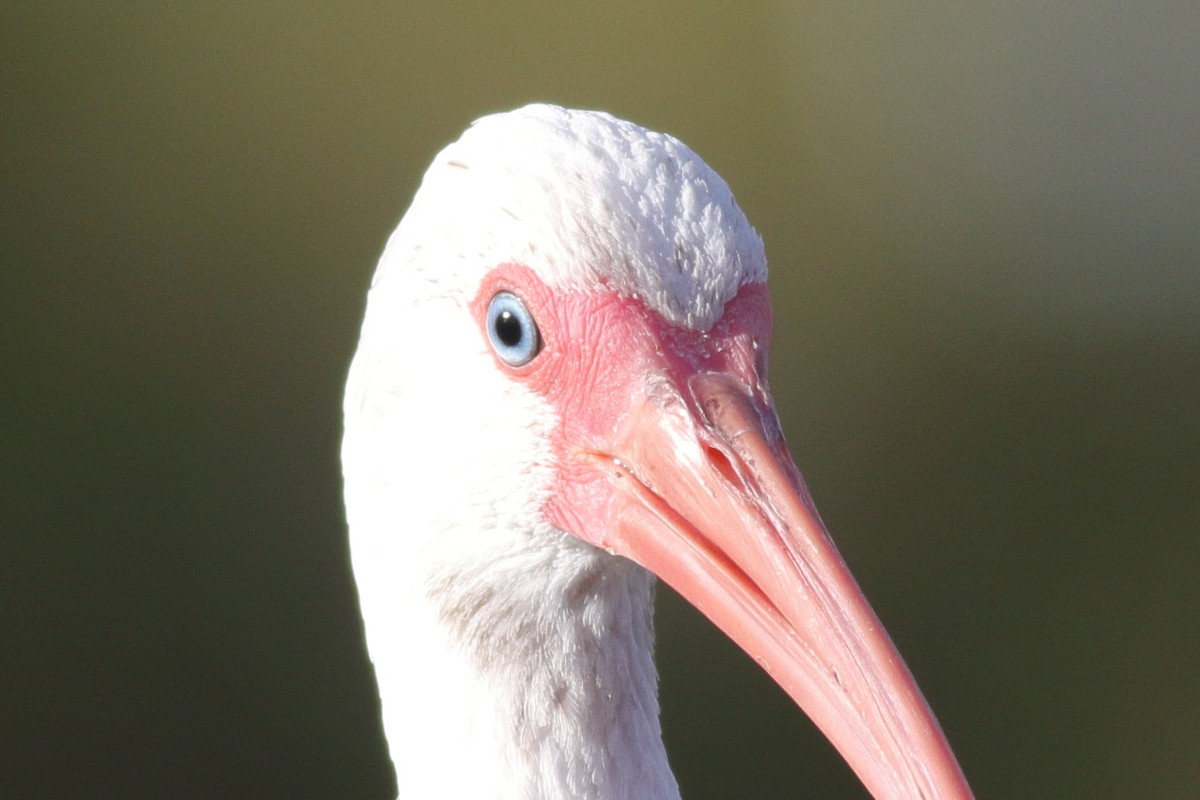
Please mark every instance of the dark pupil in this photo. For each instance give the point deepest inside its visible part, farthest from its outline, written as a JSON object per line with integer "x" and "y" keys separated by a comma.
{"x": 508, "y": 329}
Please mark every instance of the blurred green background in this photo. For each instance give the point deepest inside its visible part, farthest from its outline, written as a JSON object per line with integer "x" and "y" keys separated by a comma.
{"x": 982, "y": 224}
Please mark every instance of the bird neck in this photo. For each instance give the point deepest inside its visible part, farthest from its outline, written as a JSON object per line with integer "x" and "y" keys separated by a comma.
{"x": 535, "y": 682}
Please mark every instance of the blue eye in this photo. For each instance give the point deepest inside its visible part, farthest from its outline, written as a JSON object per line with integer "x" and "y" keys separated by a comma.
{"x": 511, "y": 330}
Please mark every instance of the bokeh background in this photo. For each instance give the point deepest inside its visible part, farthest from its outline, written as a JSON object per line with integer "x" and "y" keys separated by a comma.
{"x": 982, "y": 224}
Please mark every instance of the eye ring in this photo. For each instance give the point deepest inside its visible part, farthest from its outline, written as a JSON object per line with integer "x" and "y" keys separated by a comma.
{"x": 511, "y": 330}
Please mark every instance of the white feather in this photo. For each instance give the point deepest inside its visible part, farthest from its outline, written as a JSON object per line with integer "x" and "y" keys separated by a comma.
{"x": 585, "y": 200}
{"x": 513, "y": 660}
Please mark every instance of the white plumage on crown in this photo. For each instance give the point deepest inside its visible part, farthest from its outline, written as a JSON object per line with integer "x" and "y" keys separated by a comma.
{"x": 585, "y": 200}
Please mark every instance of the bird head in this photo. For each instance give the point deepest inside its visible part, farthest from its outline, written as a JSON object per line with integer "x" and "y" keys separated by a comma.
{"x": 570, "y": 328}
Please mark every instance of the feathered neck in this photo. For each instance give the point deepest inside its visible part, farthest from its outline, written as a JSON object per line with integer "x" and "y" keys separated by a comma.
{"x": 530, "y": 679}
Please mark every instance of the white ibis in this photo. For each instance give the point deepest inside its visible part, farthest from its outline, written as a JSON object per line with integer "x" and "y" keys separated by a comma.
{"x": 559, "y": 393}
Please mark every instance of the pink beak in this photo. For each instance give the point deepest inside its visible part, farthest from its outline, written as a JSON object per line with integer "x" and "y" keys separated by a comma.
{"x": 700, "y": 489}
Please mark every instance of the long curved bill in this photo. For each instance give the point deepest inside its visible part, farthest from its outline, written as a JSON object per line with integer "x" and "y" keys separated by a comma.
{"x": 706, "y": 496}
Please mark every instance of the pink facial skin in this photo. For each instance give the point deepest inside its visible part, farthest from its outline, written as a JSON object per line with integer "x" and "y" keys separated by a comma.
{"x": 669, "y": 453}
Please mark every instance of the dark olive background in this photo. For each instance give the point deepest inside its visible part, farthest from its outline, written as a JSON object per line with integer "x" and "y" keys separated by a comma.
{"x": 982, "y": 225}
